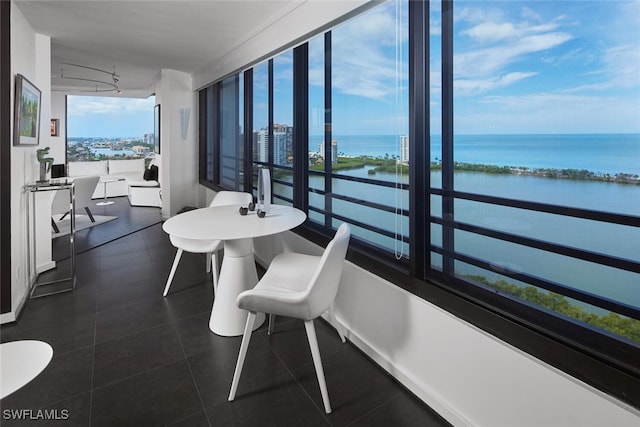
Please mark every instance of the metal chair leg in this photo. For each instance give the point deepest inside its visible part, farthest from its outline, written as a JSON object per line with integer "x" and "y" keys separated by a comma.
{"x": 86, "y": 208}
{"x": 54, "y": 226}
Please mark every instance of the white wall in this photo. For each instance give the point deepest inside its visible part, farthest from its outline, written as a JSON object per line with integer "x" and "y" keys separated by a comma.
{"x": 295, "y": 27}
{"x": 31, "y": 58}
{"x": 178, "y": 159}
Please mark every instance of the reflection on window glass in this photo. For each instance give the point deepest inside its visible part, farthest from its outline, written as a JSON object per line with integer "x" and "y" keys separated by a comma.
{"x": 316, "y": 127}
{"x": 435, "y": 92}
{"x": 369, "y": 79}
{"x": 282, "y": 127}
{"x": 283, "y": 109}
{"x": 261, "y": 113}
{"x": 209, "y": 105}
{"x": 231, "y": 134}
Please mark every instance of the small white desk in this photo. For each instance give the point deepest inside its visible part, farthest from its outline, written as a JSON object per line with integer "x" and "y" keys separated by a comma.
{"x": 21, "y": 362}
{"x": 238, "y": 272}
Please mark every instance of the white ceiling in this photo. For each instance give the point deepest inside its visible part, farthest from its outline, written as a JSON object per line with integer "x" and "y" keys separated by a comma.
{"x": 140, "y": 38}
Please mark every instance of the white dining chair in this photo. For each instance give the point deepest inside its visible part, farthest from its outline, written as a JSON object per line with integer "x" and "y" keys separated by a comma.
{"x": 299, "y": 286}
{"x": 209, "y": 247}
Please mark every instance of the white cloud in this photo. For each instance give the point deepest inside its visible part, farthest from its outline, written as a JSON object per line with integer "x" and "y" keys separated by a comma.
{"x": 491, "y": 60}
{"x": 550, "y": 113}
{"x": 494, "y": 44}
{"x": 475, "y": 87}
{"x": 364, "y": 52}
{"x": 621, "y": 70}
{"x": 91, "y": 105}
{"x": 490, "y": 32}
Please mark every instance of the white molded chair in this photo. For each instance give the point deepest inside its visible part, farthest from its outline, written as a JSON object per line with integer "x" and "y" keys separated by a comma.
{"x": 298, "y": 286}
{"x": 209, "y": 247}
{"x": 84, "y": 188}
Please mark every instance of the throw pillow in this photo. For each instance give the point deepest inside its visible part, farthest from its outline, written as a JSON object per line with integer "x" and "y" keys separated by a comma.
{"x": 151, "y": 174}
{"x": 154, "y": 172}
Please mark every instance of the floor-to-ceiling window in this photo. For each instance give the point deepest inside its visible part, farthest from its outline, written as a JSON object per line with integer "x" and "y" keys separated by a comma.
{"x": 102, "y": 128}
{"x": 260, "y": 113}
{"x": 231, "y": 120}
{"x": 522, "y": 190}
{"x": 358, "y": 131}
{"x": 319, "y": 130}
{"x": 282, "y": 128}
{"x": 535, "y": 189}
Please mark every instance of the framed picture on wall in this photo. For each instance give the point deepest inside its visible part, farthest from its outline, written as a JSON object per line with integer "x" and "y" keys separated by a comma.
{"x": 156, "y": 128}
{"x": 26, "y": 122}
{"x": 55, "y": 127}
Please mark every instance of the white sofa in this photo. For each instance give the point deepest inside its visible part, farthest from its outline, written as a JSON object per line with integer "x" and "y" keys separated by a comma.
{"x": 130, "y": 183}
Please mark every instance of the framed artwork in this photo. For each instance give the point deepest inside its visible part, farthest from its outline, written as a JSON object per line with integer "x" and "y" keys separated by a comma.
{"x": 55, "y": 127}
{"x": 156, "y": 128}
{"x": 26, "y": 123}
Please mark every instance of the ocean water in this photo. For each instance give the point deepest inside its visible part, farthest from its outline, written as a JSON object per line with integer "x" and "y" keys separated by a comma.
{"x": 600, "y": 153}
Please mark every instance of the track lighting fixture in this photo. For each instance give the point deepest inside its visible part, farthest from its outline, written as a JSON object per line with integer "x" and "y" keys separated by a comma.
{"x": 107, "y": 86}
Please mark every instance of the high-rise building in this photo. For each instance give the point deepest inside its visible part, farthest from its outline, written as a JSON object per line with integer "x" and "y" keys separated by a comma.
{"x": 282, "y": 144}
{"x": 261, "y": 146}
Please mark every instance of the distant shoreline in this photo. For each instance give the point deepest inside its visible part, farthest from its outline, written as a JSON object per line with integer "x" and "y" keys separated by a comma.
{"x": 390, "y": 165}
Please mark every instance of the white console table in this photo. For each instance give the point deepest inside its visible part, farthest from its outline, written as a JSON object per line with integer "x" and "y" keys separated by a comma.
{"x": 44, "y": 288}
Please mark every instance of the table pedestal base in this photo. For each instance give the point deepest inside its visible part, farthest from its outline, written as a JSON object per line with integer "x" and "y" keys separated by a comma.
{"x": 238, "y": 273}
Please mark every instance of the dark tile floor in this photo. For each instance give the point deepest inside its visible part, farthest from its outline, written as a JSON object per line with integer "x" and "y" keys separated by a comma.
{"x": 124, "y": 355}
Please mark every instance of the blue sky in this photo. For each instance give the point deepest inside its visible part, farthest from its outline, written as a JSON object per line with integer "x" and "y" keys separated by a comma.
{"x": 111, "y": 117}
{"x": 546, "y": 67}
{"x": 519, "y": 67}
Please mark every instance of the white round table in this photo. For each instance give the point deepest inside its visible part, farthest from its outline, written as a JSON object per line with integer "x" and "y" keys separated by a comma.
{"x": 21, "y": 362}
{"x": 105, "y": 180}
{"x": 238, "y": 272}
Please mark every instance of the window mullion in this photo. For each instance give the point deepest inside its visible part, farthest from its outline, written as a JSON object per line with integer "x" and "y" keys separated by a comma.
{"x": 248, "y": 131}
{"x": 419, "y": 178}
{"x": 328, "y": 204}
{"x": 447, "y": 135}
{"x": 301, "y": 126}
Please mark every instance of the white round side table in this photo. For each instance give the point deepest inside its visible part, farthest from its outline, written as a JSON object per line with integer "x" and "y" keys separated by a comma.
{"x": 21, "y": 362}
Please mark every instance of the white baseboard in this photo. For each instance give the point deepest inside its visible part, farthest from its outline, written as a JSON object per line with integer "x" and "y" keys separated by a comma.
{"x": 12, "y": 316}
{"x": 45, "y": 267}
{"x": 423, "y": 392}
{"x": 7, "y": 317}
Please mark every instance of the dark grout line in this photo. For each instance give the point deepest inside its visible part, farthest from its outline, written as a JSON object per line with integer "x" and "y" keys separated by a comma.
{"x": 111, "y": 241}
{"x": 193, "y": 378}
